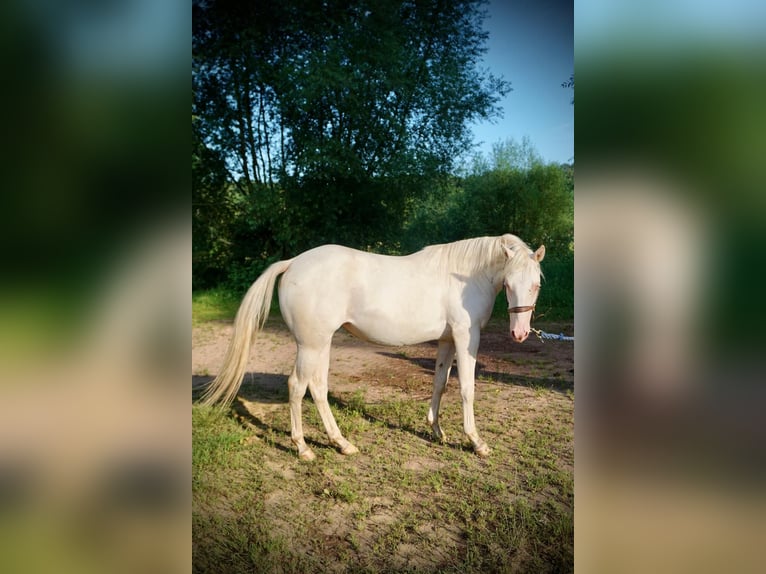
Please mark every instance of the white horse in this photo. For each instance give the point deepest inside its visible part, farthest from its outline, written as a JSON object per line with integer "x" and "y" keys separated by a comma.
{"x": 443, "y": 292}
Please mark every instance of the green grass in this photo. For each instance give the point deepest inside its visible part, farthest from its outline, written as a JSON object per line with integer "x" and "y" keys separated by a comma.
{"x": 218, "y": 304}
{"x": 221, "y": 304}
{"x": 405, "y": 503}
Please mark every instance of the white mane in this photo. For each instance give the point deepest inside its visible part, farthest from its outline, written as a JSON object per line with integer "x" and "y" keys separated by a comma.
{"x": 471, "y": 255}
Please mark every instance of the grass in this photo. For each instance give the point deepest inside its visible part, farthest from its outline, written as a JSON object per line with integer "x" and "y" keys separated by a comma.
{"x": 214, "y": 305}
{"x": 405, "y": 503}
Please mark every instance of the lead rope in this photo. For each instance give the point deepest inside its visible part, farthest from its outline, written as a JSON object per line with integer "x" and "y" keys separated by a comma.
{"x": 542, "y": 335}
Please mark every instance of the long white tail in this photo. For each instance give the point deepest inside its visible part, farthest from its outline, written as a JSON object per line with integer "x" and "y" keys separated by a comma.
{"x": 251, "y": 316}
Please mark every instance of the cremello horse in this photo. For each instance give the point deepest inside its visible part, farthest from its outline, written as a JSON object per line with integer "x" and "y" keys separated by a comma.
{"x": 444, "y": 292}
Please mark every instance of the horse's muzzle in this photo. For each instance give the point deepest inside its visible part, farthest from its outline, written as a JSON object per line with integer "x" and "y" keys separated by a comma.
{"x": 519, "y": 336}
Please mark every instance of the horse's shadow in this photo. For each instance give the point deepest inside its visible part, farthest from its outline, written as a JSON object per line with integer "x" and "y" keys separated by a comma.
{"x": 363, "y": 411}
{"x": 266, "y": 388}
{"x": 428, "y": 365}
{"x": 260, "y": 388}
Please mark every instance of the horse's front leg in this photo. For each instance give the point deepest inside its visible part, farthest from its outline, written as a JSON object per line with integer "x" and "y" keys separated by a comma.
{"x": 467, "y": 346}
{"x": 444, "y": 357}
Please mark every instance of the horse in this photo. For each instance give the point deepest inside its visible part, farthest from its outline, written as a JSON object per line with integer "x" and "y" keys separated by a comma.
{"x": 443, "y": 292}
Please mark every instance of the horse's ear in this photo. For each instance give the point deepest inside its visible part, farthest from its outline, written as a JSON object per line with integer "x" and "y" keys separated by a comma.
{"x": 508, "y": 251}
{"x": 540, "y": 253}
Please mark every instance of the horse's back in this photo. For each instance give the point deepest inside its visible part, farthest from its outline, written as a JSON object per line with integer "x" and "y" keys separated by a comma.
{"x": 386, "y": 299}
{"x": 323, "y": 266}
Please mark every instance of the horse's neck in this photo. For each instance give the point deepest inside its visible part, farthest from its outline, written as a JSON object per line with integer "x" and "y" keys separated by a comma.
{"x": 489, "y": 274}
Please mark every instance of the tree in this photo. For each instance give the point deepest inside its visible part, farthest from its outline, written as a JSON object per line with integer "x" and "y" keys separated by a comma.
{"x": 212, "y": 214}
{"x": 346, "y": 107}
{"x": 515, "y": 190}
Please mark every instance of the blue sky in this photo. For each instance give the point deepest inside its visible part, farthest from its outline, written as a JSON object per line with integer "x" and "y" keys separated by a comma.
{"x": 658, "y": 24}
{"x": 531, "y": 45}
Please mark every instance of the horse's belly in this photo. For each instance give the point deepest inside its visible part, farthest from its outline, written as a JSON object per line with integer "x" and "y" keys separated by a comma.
{"x": 395, "y": 333}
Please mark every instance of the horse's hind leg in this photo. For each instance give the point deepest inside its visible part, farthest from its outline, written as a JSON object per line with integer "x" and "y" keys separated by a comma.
{"x": 444, "y": 357}
{"x": 297, "y": 384}
{"x": 318, "y": 388}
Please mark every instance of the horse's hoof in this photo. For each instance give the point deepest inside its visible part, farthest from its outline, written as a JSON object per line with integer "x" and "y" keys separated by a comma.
{"x": 440, "y": 438}
{"x": 307, "y": 455}
{"x": 438, "y": 435}
{"x": 483, "y": 450}
{"x": 349, "y": 449}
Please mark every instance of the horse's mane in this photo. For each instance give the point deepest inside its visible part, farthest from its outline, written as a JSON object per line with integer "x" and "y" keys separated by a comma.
{"x": 471, "y": 255}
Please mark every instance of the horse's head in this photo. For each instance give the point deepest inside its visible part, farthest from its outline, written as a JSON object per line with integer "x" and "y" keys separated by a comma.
{"x": 522, "y": 285}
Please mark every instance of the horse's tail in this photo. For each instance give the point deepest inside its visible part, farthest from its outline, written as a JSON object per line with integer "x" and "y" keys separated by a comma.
{"x": 251, "y": 316}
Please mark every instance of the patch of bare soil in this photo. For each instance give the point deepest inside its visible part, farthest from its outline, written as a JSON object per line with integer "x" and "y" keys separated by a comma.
{"x": 380, "y": 369}
{"x": 507, "y": 373}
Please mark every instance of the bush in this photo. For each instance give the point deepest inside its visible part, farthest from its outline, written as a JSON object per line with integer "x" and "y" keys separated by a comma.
{"x": 556, "y": 301}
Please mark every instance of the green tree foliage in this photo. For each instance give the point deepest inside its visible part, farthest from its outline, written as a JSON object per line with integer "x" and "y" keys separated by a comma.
{"x": 514, "y": 190}
{"x": 333, "y": 114}
{"x": 510, "y": 190}
{"x": 234, "y": 226}
{"x": 534, "y": 202}
{"x": 212, "y": 214}
{"x": 337, "y": 122}
{"x": 307, "y": 89}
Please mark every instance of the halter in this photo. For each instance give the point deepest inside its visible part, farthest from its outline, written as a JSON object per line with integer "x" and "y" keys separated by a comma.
{"x": 523, "y": 309}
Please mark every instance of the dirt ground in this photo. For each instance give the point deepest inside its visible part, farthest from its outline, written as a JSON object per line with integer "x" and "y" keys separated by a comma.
{"x": 512, "y": 511}
{"x": 382, "y": 369}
